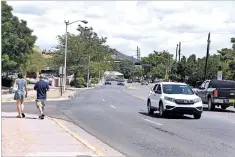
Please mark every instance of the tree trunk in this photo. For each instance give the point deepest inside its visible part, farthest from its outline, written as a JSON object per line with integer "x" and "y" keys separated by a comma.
{"x": 37, "y": 74}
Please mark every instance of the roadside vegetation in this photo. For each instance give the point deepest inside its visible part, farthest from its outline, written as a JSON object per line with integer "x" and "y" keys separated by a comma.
{"x": 87, "y": 50}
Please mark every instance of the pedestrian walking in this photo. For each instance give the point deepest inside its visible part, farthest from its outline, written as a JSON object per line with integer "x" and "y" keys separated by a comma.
{"x": 21, "y": 92}
{"x": 41, "y": 87}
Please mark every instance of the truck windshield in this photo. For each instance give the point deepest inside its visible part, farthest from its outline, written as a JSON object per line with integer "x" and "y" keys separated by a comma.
{"x": 177, "y": 89}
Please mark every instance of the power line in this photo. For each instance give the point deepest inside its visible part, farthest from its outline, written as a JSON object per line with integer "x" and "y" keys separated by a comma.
{"x": 197, "y": 32}
{"x": 195, "y": 39}
{"x": 206, "y": 34}
{"x": 230, "y": 33}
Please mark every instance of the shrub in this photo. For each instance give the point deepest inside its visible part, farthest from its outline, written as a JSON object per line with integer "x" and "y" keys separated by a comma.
{"x": 7, "y": 82}
{"x": 94, "y": 80}
{"x": 80, "y": 86}
{"x": 28, "y": 82}
{"x": 72, "y": 83}
{"x": 78, "y": 83}
{"x": 81, "y": 81}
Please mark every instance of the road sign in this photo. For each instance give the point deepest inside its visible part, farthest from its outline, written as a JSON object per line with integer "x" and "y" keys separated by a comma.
{"x": 219, "y": 75}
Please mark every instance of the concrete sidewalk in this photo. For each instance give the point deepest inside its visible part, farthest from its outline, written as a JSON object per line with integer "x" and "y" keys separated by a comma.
{"x": 31, "y": 136}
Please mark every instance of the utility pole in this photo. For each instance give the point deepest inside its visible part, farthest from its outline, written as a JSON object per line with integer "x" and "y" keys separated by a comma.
{"x": 137, "y": 52}
{"x": 132, "y": 60}
{"x": 176, "y": 52}
{"x": 179, "y": 50}
{"x": 207, "y": 54}
{"x": 88, "y": 72}
{"x": 99, "y": 75}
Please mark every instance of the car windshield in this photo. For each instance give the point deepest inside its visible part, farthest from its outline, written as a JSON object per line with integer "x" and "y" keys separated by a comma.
{"x": 177, "y": 89}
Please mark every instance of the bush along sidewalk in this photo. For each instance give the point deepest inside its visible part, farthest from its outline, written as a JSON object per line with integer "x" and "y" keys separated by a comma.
{"x": 7, "y": 81}
{"x": 81, "y": 83}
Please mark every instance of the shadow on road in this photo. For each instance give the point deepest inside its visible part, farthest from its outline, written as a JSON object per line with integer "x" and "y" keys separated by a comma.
{"x": 218, "y": 110}
{"x": 156, "y": 115}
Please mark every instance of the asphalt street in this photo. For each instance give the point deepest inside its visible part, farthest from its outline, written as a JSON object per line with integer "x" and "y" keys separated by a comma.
{"x": 121, "y": 121}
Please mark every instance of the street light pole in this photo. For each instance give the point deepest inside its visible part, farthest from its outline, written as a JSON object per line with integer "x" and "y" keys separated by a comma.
{"x": 66, "y": 48}
{"x": 65, "y": 52}
{"x": 88, "y": 71}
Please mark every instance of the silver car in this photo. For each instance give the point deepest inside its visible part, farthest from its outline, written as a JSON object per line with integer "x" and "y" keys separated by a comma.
{"x": 144, "y": 82}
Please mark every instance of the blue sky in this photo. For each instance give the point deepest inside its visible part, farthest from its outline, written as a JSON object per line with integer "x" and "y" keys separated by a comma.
{"x": 150, "y": 25}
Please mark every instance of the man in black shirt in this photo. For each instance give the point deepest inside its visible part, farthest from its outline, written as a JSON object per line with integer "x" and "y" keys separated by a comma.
{"x": 41, "y": 87}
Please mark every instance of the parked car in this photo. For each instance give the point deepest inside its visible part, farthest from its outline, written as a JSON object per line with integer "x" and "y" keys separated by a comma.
{"x": 137, "y": 80}
{"x": 121, "y": 82}
{"x": 129, "y": 81}
{"x": 217, "y": 93}
{"x": 107, "y": 83}
{"x": 144, "y": 82}
{"x": 174, "y": 98}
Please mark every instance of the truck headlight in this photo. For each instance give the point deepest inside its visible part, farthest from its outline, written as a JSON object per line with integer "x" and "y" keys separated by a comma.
{"x": 169, "y": 99}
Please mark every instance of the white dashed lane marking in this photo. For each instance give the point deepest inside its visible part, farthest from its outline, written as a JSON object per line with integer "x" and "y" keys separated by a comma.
{"x": 152, "y": 122}
{"x": 112, "y": 106}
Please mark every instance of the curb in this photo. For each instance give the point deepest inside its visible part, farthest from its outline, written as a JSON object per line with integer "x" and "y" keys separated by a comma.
{"x": 77, "y": 137}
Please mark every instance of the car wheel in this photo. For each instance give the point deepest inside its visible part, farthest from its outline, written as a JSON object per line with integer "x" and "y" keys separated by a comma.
{"x": 224, "y": 107}
{"x": 197, "y": 115}
{"x": 149, "y": 107}
{"x": 211, "y": 106}
{"x": 162, "y": 113}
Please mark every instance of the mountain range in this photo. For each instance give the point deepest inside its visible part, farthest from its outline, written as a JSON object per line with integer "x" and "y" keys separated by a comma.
{"x": 120, "y": 56}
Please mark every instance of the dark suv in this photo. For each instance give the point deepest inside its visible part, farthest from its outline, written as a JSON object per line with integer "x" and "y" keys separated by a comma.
{"x": 107, "y": 82}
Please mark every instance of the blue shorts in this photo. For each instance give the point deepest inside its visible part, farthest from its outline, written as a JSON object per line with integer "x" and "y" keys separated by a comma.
{"x": 19, "y": 95}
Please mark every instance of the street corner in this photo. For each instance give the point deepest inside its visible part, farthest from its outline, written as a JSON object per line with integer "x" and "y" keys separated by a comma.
{"x": 91, "y": 142}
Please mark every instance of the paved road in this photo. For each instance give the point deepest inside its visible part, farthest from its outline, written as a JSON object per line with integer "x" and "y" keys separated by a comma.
{"x": 121, "y": 121}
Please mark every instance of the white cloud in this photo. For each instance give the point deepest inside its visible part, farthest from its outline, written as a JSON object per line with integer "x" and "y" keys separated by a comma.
{"x": 149, "y": 25}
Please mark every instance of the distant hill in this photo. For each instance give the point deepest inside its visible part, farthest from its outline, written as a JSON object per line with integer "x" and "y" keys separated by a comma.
{"x": 121, "y": 56}
{"x": 117, "y": 55}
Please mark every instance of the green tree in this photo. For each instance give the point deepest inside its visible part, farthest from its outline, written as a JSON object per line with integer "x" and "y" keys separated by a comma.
{"x": 127, "y": 68}
{"x": 80, "y": 48}
{"x": 35, "y": 62}
{"x": 161, "y": 62}
{"x": 228, "y": 61}
{"x": 17, "y": 39}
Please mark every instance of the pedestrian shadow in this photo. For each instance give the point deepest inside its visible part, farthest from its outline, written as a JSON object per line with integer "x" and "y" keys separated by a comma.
{"x": 14, "y": 117}
{"x": 171, "y": 116}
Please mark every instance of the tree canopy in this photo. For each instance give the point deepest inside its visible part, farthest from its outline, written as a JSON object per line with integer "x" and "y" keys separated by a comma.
{"x": 191, "y": 69}
{"x": 87, "y": 44}
{"x": 17, "y": 40}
